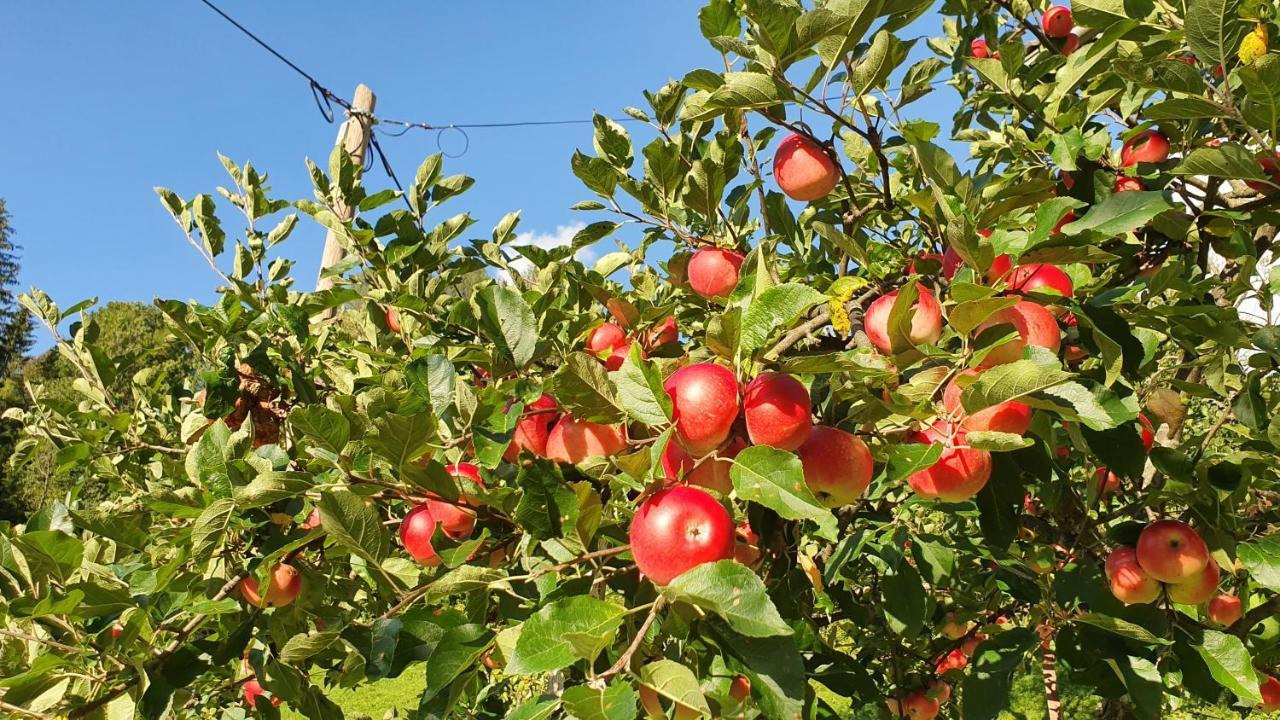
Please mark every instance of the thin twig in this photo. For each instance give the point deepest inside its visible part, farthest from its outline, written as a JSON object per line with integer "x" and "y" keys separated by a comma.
{"x": 625, "y": 660}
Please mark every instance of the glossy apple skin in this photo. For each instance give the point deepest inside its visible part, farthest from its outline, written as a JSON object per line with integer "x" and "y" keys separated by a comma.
{"x": 1198, "y": 588}
{"x": 1148, "y": 433}
{"x": 1070, "y": 217}
{"x": 1010, "y": 416}
{"x": 951, "y": 262}
{"x": 803, "y": 169}
{"x": 740, "y": 688}
{"x": 1057, "y": 22}
{"x": 971, "y": 643}
{"x": 1269, "y": 689}
{"x": 533, "y": 428}
{"x": 978, "y": 49}
{"x": 393, "y": 320}
{"x": 926, "y": 320}
{"x": 1127, "y": 183}
{"x": 455, "y": 520}
{"x": 713, "y": 272}
{"x": 1040, "y": 278}
{"x": 573, "y": 441}
{"x": 678, "y": 529}
{"x": 939, "y": 690}
{"x": 1172, "y": 551}
{"x": 1149, "y": 146}
{"x": 609, "y": 343}
{"x": 282, "y": 587}
{"x": 416, "y": 530}
{"x": 954, "y": 660}
{"x": 1070, "y": 44}
{"x": 837, "y": 466}
{"x": 953, "y": 629}
{"x": 1108, "y": 482}
{"x": 1225, "y": 610}
{"x": 704, "y": 404}
{"x": 958, "y": 475}
{"x": 1129, "y": 582}
{"x": 777, "y": 410}
{"x": 1035, "y": 326}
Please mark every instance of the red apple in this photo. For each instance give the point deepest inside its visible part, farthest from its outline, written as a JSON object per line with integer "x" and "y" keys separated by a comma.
{"x": 313, "y": 520}
{"x": 532, "y": 428}
{"x": 740, "y": 688}
{"x": 664, "y": 333}
{"x": 282, "y": 587}
{"x": 1010, "y": 416}
{"x": 1065, "y": 220}
{"x": 939, "y": 690}
{"x": 1070, "y": 44}
{"x": 1198, "y": 588}
{"x": 978, "y": 49}
{"x": 456, "y": 521}
{"x": 572, "y": 440}
{"x": 713, "y": 272}
{"x": 926, "y": 320}
{"x": 415, "y": 534}
{"x": 971, "y": 643}
{"x": 252, "y": 690}
{"x": 1034, "y": 325}
{"x": 1172, "y": 551}
{"x": 1108, "y": 482}
{"x": 953, "y": 629}
{"x": 711, "y": 472}
{"x": 958, "y": 474}
{"x": 1148, "y": 433}
{"x": 1148, "y": 146}
{"x": 609, "y": 343}
{"x": 393, "y": 320}
{"x": 1129, "y": 582}
{"x": 916, "y": 705}
{"x": 954, "y": 660}
{"x": 1225, "y": 610}
{"x": 678, "y": 529}
{"x": 651, "y": 703}
{"x": 1270, "y": 164}
{"x": 777, "y": 411}
{"x": 1057, "y": 22}
{"x": 1126, "y": 183}
{"x": 746, "y": 549}
{"x": 704, "y": 403}
{"x": 837, "y": 466}
{"x": 1269, "y": 688}
{"x": 116, "y": 631}
{"x": 803, "y": 169}
{"x": 1040, "y": 278}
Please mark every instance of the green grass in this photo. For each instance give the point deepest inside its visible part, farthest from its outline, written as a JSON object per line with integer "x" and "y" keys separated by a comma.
{"x": 373, "y": 700}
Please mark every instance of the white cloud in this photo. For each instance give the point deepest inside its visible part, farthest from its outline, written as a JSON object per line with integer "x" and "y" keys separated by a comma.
{"x": 562, "y": 236}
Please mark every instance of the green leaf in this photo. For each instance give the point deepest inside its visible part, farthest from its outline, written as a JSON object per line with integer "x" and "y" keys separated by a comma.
{"x": 1000, "y": 503}
{"x": 1230, "y": 664}
{"x": 383, "y": 638}
{"x": 401, "y": 439}
{"x": 547, "y": 504}
{"x": 640, "y": 390}
{"x": 507, "y": 320}
{"x": 584, "y": 388}
{"x": 876, "y": 64}
{"x": 596, "y": 173}
{"x": 457, "y": 652}
{"x": 209, "y": 530}
{"x": 1009, "y": 382}
{"x": 271, "y": 486}
{"x": 562, "y": 632}
{"x": 857, "y": 15}
{"x": 1123, "y": 628}
{"x": 773, "y": 665}
{"x": 353, "y": 524}
{"x": 305, "y": 646}
{"x": 967, "y": 316}
{"x": 615, "y": 702}
{"x": 904, "y": 601}
{"x": 1099, "y": 410}
{"x": 775, "y": 479}
{"x": 533, "y": 710}
{"x": 906, "y": 459}
{"x": 1183, "y": 108}
{"x": 774, "y": 310}
{"x": 1102, "y": 14}
{"x": 1261, "y": 81}
{"x": 1214, "y": 29}
{"x": 998, "y": 441}
{"x": 1249, "y": 406}
{"x": 1225, "y": 161}
{"x": 612, "y": 142}
{"x": 675, "y": 682}
{"x": 327, "y": 428}
{"x": 1262, "y": 559}
{"x": 732, "y": 591}
{"x": 988, "y": 688}
{"x": 1119, "y": 213}
{"x": 206, "y": 463}
{"x": 463, "y": 579}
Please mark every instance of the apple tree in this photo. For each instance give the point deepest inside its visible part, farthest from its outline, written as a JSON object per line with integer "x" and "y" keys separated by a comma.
{"x": 884, "y": 431}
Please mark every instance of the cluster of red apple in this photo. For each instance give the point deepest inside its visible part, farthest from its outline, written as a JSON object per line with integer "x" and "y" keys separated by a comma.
{"x": 1057, "y": 24}
{"x": 922, "y": 704}
{"x": 1170, "y": 556}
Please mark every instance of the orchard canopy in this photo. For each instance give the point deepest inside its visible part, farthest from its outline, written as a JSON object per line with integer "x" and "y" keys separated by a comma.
{"x": 887, "y": 430}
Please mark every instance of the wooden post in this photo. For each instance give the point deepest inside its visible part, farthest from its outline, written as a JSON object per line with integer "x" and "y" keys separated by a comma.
{"x": 353, "y": 136}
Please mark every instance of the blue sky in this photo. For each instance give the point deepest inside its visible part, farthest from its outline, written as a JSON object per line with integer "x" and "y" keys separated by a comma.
{"x": 107, "y": 100}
